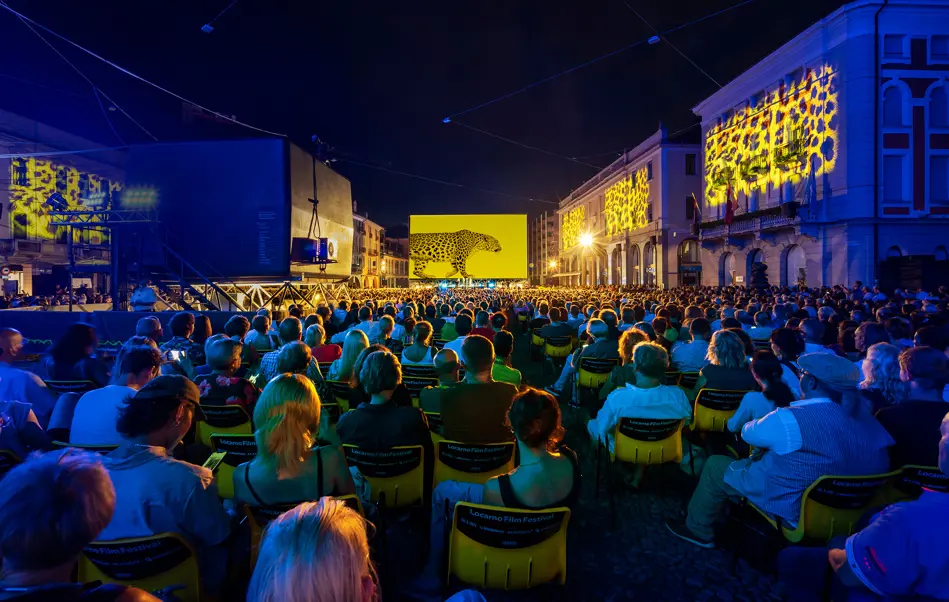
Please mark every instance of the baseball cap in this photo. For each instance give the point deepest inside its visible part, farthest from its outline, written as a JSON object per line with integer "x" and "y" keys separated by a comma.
{"x": 834, "y": 370}
{"x": 172, "y": 386}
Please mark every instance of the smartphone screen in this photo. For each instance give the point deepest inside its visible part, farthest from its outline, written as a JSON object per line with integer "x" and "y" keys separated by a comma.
{"x": 214, "y": 460}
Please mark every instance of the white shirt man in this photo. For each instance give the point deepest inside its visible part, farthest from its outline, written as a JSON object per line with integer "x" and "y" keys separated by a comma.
{"x": 94, "y": 417}
{"x": 456, "y": 347}
{"x": 690, "y": 357}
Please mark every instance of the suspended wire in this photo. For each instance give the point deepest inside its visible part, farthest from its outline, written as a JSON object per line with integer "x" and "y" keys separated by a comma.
{"x": 95, "y": 89}
{"x": 446, "y": 183}
{"x": 58, "y": 153}
{"x": 671, "y": 45}
{"x": 592, "y": 61}
{"x": 226, "y": 8}
{"x": 136, "y": 76}
{"x": 527, "y": 146}
{"x": 616, "y": 152}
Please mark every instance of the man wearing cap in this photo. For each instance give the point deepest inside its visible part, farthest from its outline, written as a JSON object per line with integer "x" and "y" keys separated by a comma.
{"x": 156, "y": 493}
{"x": 901, "y": 554}
{"x": 828, "y": 432}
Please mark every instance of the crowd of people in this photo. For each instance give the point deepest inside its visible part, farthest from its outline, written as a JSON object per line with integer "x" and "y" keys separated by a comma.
{"x": 833, "y": 381}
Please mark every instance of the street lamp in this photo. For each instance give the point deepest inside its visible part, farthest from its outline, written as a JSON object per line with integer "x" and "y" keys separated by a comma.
{"x": 586, "y": 240}
{"x": 552, "y": 264}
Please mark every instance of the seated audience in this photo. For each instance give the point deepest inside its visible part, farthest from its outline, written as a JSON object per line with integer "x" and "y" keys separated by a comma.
{"x": 73, "y": 357}
{"x": 259, "y": 337}
{"x": 625, "y": 373}
{"x": 558, "y": 326}
{"x": 51, "y": 507}
{"x": 291, "y": 329}
{"x": 20, "y": 431}
{"x": 420, "y": 352}
{"x": 156, "y": 493}
{"x": 814, "y": 336}
{"x": 182, "y": 327}
{"x": 503, "y": 371}
{"x": 364, "y": 323}
{"x": 914, "y": 422}
{"x": 728, "y": 368}
{"x": 294, "y": 358}
{"x": 867, "y": 335}
{"x": 900, "y": 331}
{"x": 380, "y": 424}
{"x": 322, "y": 351}
{"x": 447, "y": 368}
{"x": 787, "y": 344}
{"x": 94, "y": 417}
{"x": 692, "y": 356}
{"x": 601, "y": 346}
{"x": 342, "y": 369}
{"x": 900, "y": 555}
{"x": 288, "y": 467}
{"x": 150, "y": 327}
{"x": 829, "y": 432}
{"x": 20, "y": 385}
{"x": 222, "y": 386}
{"x": 463, "y": 329}
{"x": 775, "y": 393}
{"x": 482, "y": 325}
{"x": 237, "y": 328}
{"x": 474, "y": 411}
{"x": 648, "y": 398}
{"x": 881, "y": 384}
{"x": 381, "y": 334}
{"x": 762, "y": 329}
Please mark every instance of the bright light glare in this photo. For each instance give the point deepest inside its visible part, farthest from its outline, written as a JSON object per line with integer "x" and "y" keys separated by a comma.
{"x": 586, "y": 239}
{"x": 553, "y": 264}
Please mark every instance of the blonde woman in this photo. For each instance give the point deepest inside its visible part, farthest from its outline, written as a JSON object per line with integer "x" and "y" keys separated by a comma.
{"x": 625, "y": 373}
{"x": 317, "y": 552}
{"x": 419, "y": 353}
{"x": 881, "y": 384}
{"x": 288, "y": 469}
{"x": 728, "y": 367}
{"x": 353, "y": 344}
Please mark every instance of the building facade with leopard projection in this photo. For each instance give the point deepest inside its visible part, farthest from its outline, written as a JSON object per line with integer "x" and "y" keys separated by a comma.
{"x": 472, "y": 247}
{"x": 828, "y": 160}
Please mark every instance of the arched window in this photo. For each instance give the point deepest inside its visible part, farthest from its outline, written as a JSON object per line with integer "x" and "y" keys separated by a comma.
{"x": 795, "y": 266}
{"x": 649, "y": 261}
{"x": 892, "y": 107}
{"x": 633, "y": 268}
{"x": 689, "y": 251}
{"x": 941, "y": 253}
{"x": 939, "y": 108}
{"x": 893, "y": 251}
{"x": 727, "y": 272}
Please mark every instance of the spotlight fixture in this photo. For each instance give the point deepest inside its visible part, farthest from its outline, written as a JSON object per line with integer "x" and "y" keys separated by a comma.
{"x": 654, "y": 40}
{"x": 207, "y": 28}
{"x": 56, "y": 202}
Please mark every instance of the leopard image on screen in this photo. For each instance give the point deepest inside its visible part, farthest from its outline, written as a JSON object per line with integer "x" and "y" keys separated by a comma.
{"x": 448, "y": 247}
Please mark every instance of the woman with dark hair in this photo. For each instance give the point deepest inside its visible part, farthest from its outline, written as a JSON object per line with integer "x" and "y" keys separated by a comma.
{"x": 202, "y": 330}
{"x": 787, "y": 344}
{"x": 72, "y": 357}
{"x": 775, "y": 393}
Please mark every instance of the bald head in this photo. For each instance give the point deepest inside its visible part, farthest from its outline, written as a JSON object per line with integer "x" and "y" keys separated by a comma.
{"x": 11, "y": 343}
{"x": 446, "y": 366}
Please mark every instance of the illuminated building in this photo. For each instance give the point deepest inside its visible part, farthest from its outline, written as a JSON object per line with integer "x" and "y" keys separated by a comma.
{"x": 543, "y": 240}
{"x": 87, "y": 181}
{"x": 395, "y": 258}
{"x": 823, "y": 188}
{"x": 629, "y": 224}
{"x": 367, "y": 252}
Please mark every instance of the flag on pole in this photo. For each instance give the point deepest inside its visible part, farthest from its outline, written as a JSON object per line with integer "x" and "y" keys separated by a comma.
{"x": 696, "y": 213}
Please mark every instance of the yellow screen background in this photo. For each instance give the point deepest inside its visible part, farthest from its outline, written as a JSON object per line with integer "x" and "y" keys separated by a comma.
{"x": 509, "y": 230}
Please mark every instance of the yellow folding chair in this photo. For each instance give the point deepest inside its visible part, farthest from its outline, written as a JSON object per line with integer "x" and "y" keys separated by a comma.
{"x": 643, "y": 442}
{"x": 97, "y": 449}
{"x": 591, "y": 374}
{"x": 832, "y": 506}
{"x": 8, "y": 460}
{"x": 472, "y": 462}
{"x": 503, "y": 548}
{"x": 435, "y": 426}
{"x": 556, "y": 351}
{"x": 59, "y": 387}
{"x": 713, "y": 408}
{"x": 150, "y": 563}
{"x": 341, "y": 391}
{"x": 240, "y": 449}
{"x": 396, "y": 476}
{"x": 226, "y": 420}
{"x": 536, "y": 339}
{"x": 911, "y": 481}
{"x": 687, "y": 380}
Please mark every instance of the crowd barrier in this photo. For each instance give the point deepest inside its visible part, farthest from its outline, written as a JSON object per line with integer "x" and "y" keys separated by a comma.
{"x": 41, "y": 328}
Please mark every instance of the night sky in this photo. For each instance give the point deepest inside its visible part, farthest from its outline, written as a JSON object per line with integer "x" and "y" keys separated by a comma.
{"x": 375, "y": 80}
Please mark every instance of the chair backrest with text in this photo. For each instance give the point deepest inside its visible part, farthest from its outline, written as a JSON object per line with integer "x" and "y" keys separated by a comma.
{"x": 96, "y": 449}
{"x": 150, "y": 563}
{"x": 60, "y": 387}
{"x": 593, "y": 372}
{"x": 415, "y": 384}
{"x": 687, "y": 380}
{"x": 472, "y": 462}
{"x": 424, "y": 371}
{"x": 713, "y": 408}
{"x": 559, "y": 347}
{"x": 646, "y": 441}
{"x": 226, "y": 420}
{"x": 341, "y": 391}
{"x": 507, "y": 549}
{"x": 396, "y": 475}
{"x": 913, "y": 479}
{"x": 834, "y": 505}
{"x": 435, "y": 426}
{"x": 240, "y": 449}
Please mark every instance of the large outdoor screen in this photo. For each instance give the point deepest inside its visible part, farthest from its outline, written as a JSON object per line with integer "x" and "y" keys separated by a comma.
{"x": 468, "y": 246}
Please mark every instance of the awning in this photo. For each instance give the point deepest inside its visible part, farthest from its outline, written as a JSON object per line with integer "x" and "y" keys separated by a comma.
{"x": 565, "y": 274}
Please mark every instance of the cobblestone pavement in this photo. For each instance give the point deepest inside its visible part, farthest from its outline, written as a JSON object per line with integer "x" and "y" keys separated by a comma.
{"x": 638, "y": 559}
